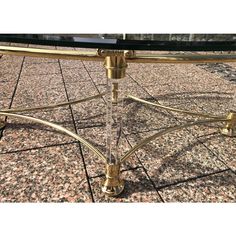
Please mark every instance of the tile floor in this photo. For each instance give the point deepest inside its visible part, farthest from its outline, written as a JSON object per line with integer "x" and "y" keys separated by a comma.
{"x": 39, "y": 164}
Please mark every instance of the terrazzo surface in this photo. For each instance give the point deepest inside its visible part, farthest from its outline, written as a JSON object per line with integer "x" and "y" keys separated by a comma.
{"x": 39, "y": 164}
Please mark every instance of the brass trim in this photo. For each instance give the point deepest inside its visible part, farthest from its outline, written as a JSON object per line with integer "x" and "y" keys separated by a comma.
{"x": 52, "y": 106}
{"x": 131, "y": 58}
{"x": 167, "y": 130}
{"x": 185, "y": 58}
{"x": 175, "y": 109}
{"x": 60, "y": 128}
{"x": 51, "y": 53}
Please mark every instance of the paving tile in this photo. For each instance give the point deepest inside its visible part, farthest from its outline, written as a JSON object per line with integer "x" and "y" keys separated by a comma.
{"x": 10, "y": 65}
{"x": 5, "y": 103}
{"x": 42, "y": 175}
{"x": 137, "y": 189}
{"x": 10, "y": 59}
{"x": 215, "y": 188}
{"x": 75, "y": 75}
{"x": 94, "y": 65}
{"x": 65, "y": 64}
{"x": 99, "y": 79}
{"x": 90, "y": 113}
{"x": 21, "y": 134}
{"x": 175, "y": 157}
{"x": 37, "y": 91}
{"x": 97, "y": 137}
{"x": 80, "y": 89}
{"x": 222, "y": 146}
{"x": 7, "y": 86}
{"x": 41, "y": 69}
{"x": 38, "y": 60}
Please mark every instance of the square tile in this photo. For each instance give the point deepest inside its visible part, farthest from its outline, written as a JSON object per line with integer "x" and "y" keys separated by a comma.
{"x": 42, "y": 175}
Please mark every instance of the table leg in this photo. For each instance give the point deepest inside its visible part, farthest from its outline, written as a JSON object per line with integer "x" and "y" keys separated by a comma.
{"x": 115, "y": 68}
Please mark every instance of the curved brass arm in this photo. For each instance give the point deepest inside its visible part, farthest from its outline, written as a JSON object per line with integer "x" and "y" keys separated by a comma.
{"x": 51, "y": 106}
{"x": 136, "y": 58}
{"x": 51, "y": 53}
{"x": 60, "y": 128}
{"x": 168, "y": 130}
{"x": 175, "y": 109}
{"x": 185, "y": 58}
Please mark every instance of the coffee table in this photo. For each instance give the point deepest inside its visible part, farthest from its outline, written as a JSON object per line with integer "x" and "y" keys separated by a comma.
{"x": 117, "y": 51}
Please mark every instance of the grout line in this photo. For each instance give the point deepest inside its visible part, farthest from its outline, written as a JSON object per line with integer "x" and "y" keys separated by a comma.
{"x": 193, "y": 178}
{"x": 13, "y": 94}
{"x": 80, "y": 147}
{"x": 218, "y": 157}
{"x": 35, "y": 148}
{"x": 146, "y": 172}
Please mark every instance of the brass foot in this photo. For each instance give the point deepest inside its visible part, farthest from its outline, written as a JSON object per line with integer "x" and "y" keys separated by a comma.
{"x": 230, "y": 127}
{"x": 112, "y": 185}
{"x": 2, "y": 125}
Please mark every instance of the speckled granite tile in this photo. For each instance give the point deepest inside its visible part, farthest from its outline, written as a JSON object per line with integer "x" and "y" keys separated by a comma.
{"x": 97, "y": 137}
{"x": 80, "y": 90}
{"x": 42, "y": 175}
{"x": 217, "y": 104}
{"x": 41, "y": 69}
{"x": 8, "y": 78}
{"x": 22, "y": 134}
{"x": 89, "y": 114}
{"x": 38, "y": 60}
{"x": 65, "y": 64}
{"x": 94, "y": 65}
{"x": 224, "y": 147}
{"x": 233, "y": 64}
{"x": 175, "y": 157}
{"x": 8, "y": 66}
{"x": 16, "y": 60}
{"x": 215, "y": 188}
{"x": 99, "y": 77}
{"x": 37, "y": 91}
{"x": 141, "y": 67}
{"x": 137, "y": 189}
{"x": 75, "y": 75}
{"x": 6, "y": 89}
{"x": 5, "y": 103}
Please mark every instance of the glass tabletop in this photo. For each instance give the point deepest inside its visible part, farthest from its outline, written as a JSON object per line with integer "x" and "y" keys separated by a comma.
{"x": 160, "y": 42}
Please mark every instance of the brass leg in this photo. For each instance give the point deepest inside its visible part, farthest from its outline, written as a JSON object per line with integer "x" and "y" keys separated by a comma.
{"x": 230, "y": 126}
{"x": 115, "y": 65}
